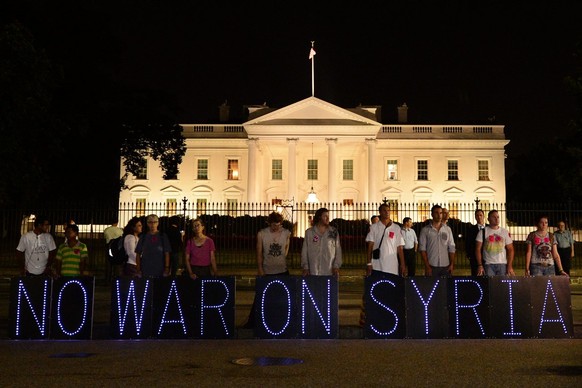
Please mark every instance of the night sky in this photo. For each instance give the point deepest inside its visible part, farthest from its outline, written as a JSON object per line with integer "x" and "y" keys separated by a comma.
{"x": 459, "y": 62}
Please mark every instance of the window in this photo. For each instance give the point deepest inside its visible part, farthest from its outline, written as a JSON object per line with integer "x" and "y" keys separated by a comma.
{"x": 453, "y": 170}
{"x": 202, "y": 169}
{"x": 483, "y": 166}
{"x": 232, "y": 169}
{"x": 142, "y": 172}
{"x": 171, "y": 206}
{"x": 140, "y": 207}
{"x": 311, "y": 169}
{"x": 392, "y": 169}
{"x": 277, "y": 169}
{"x": 348, "y": 202}
{"x": 348, "y": 170}
{"x": 422, "y": 170}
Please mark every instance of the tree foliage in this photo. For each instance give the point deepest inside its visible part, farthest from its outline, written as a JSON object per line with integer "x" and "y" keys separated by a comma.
{"x": 162, "y": 142}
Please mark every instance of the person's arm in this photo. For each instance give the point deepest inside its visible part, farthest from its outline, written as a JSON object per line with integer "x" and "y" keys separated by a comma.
{"x": 167, "y": 249}
{"x": 51, "y": 259}
{"x": 402, "y": 262}
{"x": 479, "y": 258}
{"x": 22, "y": 261}
{"x": 527, "y": 259}
{"x": 337, "y": 261}
{"x": 451, "y": 249}
{"x": 451, "y": 262}
{"x": 213, "y": 263}
{"x": 423, "y": 254}
{"x": 166, "y": 263}
{"x": 138, "y": 262}
{"x": 369, "y": 258}
{"x": 510, "y": 254}
{"x": 83, "y": 263}
{"x": 187, "y": 260}
{"x": 260, "y": 270}
{"x": 557, "y": 260}
{"x": 427, "y": 268}
{"x": 58, "y": 262}
{"x": 304, "y": 258}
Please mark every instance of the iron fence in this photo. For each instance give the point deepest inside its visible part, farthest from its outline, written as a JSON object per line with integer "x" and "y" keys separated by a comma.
{"x": 233, "y": 226}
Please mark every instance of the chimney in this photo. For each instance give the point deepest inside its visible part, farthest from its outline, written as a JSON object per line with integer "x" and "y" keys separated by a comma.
{"x": 403, "y": 114}
{"x": 224, "y": 112}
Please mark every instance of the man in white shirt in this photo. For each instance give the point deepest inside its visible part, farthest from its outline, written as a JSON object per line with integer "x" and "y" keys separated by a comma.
{"x": 437, "y": 246}
{"x": 498, "y": 249}
{"x": 410, "y": 245}
{"x": 386, "y": 236}
{"x": 37, "y": 249}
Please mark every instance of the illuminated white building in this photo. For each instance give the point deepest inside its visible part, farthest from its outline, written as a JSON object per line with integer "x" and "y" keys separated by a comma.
{"x": 346, "y": 155}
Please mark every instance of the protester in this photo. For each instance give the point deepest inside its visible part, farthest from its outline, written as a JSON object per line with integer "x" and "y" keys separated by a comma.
{"x": 437, "y": 246}
{"x": 132, "y": 233}
{"x": 200, "y": 253}
{"x": 36, "y": 249}
{"x": 410, "y": 246}
{"x": 386, "y": 236}
{"x": 153, "y": 251}
{"x": 472, "y": 232}
{"x": 542, "y": 252}
{"x": 72, "y": 255}
{"x": 176, "y": 242}
{"x": 565, "y": 246}
{"x": 496, "y": 257}
{"x": 272, "y": 249}
{"x": 321, "y": 254}
{"x": 111, "y": 233}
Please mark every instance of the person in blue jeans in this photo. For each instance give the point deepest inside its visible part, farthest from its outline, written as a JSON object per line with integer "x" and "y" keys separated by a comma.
{"x": 542, "y": 251}
{"x": 497, "y": 252}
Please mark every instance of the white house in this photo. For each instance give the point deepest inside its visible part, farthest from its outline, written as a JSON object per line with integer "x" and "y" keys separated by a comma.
{"x": 343, "y": 155}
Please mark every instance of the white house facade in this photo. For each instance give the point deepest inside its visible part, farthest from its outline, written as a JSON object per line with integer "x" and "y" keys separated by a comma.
{"x": 344, "y": 156}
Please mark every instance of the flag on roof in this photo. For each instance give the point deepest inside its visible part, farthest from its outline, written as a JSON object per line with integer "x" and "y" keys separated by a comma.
{"x": 311, "y": 53}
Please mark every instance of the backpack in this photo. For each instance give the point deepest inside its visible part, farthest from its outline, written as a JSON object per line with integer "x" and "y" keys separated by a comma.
{"x": 116, "y": 251}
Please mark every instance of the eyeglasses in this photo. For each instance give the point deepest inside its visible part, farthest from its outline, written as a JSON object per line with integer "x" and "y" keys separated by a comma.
{"x": 152, "y": 222}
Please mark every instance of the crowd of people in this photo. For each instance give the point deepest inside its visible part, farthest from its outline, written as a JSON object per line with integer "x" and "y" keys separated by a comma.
{"x": 391, "y": 248}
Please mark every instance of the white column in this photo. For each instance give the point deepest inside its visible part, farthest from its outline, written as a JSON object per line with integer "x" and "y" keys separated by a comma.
{"x": 252, "y": 170}
{"x": 372, "y": 175}
{"x": 331, "y": 171}
{"x": 292, "y": 169}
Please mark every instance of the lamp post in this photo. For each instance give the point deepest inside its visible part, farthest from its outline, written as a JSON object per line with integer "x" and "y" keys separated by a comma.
{"x": 184, "y": 201}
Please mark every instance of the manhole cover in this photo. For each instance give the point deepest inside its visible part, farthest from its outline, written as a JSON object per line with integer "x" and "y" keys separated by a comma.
{"x": 266, "y": 361}
{"x": 71, "y": 355}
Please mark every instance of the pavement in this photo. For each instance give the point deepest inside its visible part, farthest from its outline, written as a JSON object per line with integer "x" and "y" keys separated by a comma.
{"x": 248, "y": 362}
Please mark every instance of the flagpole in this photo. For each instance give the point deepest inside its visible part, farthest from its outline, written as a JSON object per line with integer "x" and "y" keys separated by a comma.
{"x": 312, "y": 55}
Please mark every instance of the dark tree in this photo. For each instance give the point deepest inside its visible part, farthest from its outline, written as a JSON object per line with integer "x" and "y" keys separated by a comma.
{"x": 30, "y": 134}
